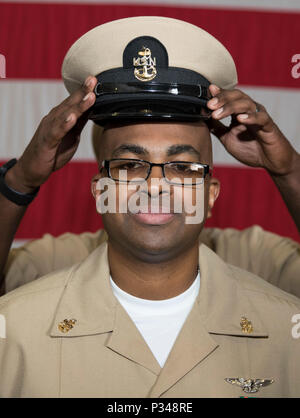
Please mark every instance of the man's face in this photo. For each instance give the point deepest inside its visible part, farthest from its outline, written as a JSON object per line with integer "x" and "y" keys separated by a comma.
{"x": 156, "y": 237}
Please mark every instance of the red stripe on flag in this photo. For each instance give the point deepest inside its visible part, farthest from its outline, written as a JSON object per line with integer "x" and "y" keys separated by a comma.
{"x": 65, "y": 204}
{"x": 35, "y": 37}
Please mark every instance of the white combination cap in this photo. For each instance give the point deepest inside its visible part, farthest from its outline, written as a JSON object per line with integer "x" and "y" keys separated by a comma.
{"x": 149, "y": 67}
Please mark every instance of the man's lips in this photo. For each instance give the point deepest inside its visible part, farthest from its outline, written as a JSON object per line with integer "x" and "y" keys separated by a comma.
{"x": 152, "y": 218}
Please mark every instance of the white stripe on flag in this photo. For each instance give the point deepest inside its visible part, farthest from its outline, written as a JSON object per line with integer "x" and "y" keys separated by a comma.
{"x": 24, "y": 103}
{"x": 289, "y": 5}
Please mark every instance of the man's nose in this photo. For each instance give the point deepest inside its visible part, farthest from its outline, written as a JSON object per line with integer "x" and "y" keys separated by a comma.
{"x": 156, "y": 183}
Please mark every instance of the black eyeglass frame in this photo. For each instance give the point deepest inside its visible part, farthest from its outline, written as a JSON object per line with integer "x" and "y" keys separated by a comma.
{"x": 106, "y": 165}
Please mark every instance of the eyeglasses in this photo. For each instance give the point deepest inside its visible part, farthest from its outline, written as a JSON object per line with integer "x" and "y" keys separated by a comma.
{"x": 175, "y": 172}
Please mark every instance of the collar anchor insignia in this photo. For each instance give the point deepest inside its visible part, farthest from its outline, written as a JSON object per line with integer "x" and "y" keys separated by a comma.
{"x": 249, "y": 385}
{"x": 66, "y": 325}
{"x": 246, "y": 325}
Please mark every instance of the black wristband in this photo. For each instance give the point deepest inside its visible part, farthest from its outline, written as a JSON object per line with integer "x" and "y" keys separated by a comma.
{"x": 18, "y": 198}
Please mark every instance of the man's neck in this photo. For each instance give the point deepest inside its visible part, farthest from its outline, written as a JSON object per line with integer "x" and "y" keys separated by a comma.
{"x": 154, "y": 281}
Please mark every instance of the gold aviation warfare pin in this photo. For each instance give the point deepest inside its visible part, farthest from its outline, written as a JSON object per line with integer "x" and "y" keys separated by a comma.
{"x": 144, "y": 65}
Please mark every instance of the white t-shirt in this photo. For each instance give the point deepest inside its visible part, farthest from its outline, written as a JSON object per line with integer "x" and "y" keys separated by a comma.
{"x": 159, "y": 321}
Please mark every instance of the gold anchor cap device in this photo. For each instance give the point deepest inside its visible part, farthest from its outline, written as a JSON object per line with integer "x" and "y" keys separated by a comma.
{"x": 149, "y": 67}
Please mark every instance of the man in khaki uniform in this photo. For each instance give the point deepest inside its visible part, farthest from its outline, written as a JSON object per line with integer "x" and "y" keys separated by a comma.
{"x": 93, "y": 329}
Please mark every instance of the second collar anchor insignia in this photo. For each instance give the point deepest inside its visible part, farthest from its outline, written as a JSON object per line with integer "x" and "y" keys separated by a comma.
{"x": 246, "y": 325}
{"x": 145, "y": 65}
{"x": 66, "y": 325}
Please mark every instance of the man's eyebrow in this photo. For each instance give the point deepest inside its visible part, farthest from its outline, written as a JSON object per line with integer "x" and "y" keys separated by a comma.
{"x": 141, "y": 151}
{"x": 180, "y": 149}
{"x": 133, "y": 148}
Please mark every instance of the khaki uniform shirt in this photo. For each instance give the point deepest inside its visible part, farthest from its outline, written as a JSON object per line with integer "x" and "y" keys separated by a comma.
{"x": 104, "y": 355}
{"x": 269, "y": 256}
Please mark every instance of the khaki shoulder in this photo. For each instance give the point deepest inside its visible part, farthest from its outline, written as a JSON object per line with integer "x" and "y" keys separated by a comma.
{"x": 256, "y": 286}
{"x": 47, "y": 254}
{"x": 254, "y": 236}
{"x": 70, "y": 244}
{"x": 274, "y": 258}
{"x": 51, "y": 283}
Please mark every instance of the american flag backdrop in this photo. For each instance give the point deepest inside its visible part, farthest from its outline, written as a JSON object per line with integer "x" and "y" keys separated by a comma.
{"x": 263, "y": 37}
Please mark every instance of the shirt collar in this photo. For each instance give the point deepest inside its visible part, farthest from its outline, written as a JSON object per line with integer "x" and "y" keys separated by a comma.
{"x": 221, "y": 303}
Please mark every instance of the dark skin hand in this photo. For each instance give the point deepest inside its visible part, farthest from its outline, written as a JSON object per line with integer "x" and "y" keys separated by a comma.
{"x": 254, "y": 139}
{"x": 52, "y": 146}
{"x": 55, "y": 140}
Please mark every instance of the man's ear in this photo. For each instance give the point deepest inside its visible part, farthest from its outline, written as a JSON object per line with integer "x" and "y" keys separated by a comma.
{"x": 214, "y": 190}
{"x": 94, "y": 182}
